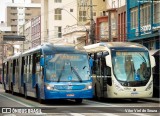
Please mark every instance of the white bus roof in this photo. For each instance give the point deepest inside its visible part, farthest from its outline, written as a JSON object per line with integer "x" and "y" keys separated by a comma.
{"x": 103, "y": 45}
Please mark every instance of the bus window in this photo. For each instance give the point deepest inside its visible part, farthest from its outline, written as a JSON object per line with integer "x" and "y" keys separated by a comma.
{"x": 129, "y": 68}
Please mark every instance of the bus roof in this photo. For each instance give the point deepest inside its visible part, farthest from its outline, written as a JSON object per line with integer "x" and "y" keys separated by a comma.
{"x": 49, "y": 48}
{"x": 114, "y": 45}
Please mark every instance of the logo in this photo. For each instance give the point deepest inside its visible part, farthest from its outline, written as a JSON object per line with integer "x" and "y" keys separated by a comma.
{"x": 69, "y": 78}
{"x": 69, "y": 84}
{"x": 134, "y": 89}
{"x": 6, "y": 110}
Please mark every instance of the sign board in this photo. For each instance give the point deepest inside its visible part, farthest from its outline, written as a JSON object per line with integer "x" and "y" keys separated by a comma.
{"x": 13, "y": 38}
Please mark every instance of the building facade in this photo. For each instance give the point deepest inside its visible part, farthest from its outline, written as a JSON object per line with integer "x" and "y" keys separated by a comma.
{"x": 109, "y": 27}
{"x": 121, "y": 24}
{"x": 25, "y": 30}
{"x": 55, "y": 16}
{"x": 143, "y": 22}
{"x": 19, "y": 13}
{"x": 36, "y": 31}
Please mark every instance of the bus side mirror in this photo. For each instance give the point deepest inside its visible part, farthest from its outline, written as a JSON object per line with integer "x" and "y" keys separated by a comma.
{"x": 42, "y": 61}
{"x": 152, "y": 61}
{"x": 108, "y": 60}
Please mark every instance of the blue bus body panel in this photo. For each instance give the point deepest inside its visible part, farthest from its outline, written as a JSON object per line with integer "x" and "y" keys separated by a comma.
{"x": 68, "y": 94}
{"x": 64, "y": 91}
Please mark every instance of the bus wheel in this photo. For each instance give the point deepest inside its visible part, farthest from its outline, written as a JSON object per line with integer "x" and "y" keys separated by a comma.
{"x": 79, "y": 101}
{"x": 134, "y": 99}
{"x": 95, "y": 92}
{"x": 25, "y": 92}
{"x": 6, "y": 91}
{"x": 12, "y": 90}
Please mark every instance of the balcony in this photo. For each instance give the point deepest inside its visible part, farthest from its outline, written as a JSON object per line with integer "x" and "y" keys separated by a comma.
{"x": 14, "y": 22}
{"x": 14, "y": 17}
{"x": 14, "y": 28}
{"x": 14, "y": 11}
{"x": 28, "y": 17}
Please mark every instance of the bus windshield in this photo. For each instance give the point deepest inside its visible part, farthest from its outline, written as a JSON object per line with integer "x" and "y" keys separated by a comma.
{"x": 67, "y": 67}
{"x": 131, "y": 66}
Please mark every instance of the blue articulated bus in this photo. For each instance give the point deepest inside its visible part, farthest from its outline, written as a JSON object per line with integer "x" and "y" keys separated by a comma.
{"x": 49, "y": 72}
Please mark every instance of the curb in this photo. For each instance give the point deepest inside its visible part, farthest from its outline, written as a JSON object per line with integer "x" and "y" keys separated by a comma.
{"x": 155, "y": 100}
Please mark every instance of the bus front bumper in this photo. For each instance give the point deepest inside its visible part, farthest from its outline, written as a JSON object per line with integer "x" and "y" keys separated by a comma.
{"x": 72, "y": 94}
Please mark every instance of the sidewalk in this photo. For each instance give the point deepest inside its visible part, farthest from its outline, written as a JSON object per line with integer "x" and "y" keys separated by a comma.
{"x": 154, "y": 99}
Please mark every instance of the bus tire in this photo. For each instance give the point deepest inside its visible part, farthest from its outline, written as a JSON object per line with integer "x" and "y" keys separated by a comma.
{"x": 95, "y": 92}
{"x": 79, "y": 101}
{"x": 25, "y": 91}
{"x": 41, "y": 101}
{"x": 12, "y": 89}
{"x": 5, "y": 88}
{"x": 134, "y": 99}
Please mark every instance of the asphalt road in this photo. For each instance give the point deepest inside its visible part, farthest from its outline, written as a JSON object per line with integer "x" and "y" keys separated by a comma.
{"x": 18, "y": 106}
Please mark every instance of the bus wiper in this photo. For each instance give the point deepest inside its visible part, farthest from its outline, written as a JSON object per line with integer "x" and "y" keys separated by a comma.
{"x": 76, "y": 73}
{"x": 59, "y": 77}
{"x": 142, "y": 57}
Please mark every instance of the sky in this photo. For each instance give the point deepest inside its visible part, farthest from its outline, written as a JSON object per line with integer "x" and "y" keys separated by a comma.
{"x": 3, "y": 6}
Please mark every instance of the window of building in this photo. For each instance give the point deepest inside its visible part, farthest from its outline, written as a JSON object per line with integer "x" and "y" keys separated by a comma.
{"x": 57, "y": 1}
{"x": 13, "y": 13}
{"x": 20, "y": 19}
{"x": 145, "y": 13}
{"x": 13, "y": 25}
{"x": 27, "y": 8}
{"x": 27, "y": 14}
{"x": 26, "y": 20}
{"x": 58, "y": 32}
{"x": 58, "y": 14}
{"x": 82, "y": 16}
{"x": 94, "y": 13}
{"x": 134, "y": 18}
{"x": 71, "y": 10}
{"x": 156, "y": 12}
{"x": 13, "y": 8}
{"x": 102, "y": 13}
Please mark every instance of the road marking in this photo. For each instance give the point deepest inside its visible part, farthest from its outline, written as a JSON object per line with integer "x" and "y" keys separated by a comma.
{"x": 98, "y": 103}
{"x": 140, "y": 114}
{"x": 21, "y": 104}
{"x": 108, "y": 114}
{"x": 16, "y": 101}
{"x": 76, "y": 114}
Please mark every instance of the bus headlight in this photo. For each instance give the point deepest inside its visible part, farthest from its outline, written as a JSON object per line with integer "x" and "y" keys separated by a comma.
{"x": 49, "y": 87}
{"x": 149, "y": 86}
{"x": 88, "y": 86}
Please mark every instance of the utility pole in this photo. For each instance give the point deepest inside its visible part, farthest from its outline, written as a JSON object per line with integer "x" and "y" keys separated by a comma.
{"x": 92, "y": 24}
{"x": 109, "y": 23}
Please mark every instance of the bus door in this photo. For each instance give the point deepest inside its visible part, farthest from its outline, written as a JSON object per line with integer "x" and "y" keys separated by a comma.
{"x": 10, "y": 76}
{"x": 5, "y": 74}
{"x": 22, "y": 71}
{"x": 29, "y": 73}
{"x": 16, "y": 73}
{"x": 98, "y": 70}
{"x": 105, "y": 75}
{"x": 36, "y": 70}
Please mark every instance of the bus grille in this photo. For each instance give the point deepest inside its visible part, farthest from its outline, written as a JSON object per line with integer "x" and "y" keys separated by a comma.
{"x": 68, "y": 87}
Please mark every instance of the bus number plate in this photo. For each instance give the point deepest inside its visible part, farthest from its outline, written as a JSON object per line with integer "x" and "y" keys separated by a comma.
{"x": 70, "y": 95}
